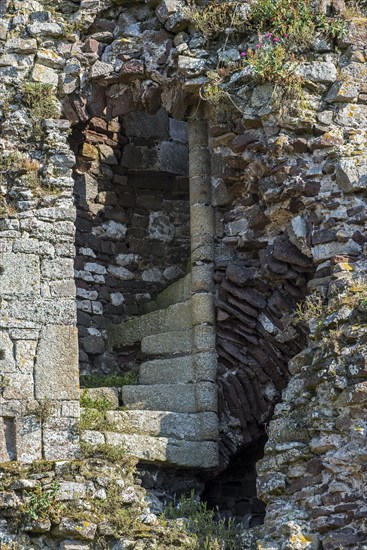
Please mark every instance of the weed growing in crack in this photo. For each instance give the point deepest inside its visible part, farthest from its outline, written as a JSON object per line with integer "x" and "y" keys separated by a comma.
{"x": 271, "y": 62}
{"x": 311, "y": 308}
{"x": 41, "y": 503}
{"x": 114, "y": 453}
{"x": 43, "y": 410}
{"x": 101, "y": 404}
{"x": 297, "y": 21}
{"x": 216, "y": 17}
{"x": 41, "y": 103}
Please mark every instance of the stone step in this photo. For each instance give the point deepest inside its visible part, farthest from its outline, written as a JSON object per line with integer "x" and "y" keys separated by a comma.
{"x": 191, "y": 427}
{"x": 169, "y": 343}
{"x": 186, "y": 398}
{"x": 177, "y": 370}
{"x": 180, "y": 291}
{"x": 176, "y": 317}
{"x": 188, "y": 454}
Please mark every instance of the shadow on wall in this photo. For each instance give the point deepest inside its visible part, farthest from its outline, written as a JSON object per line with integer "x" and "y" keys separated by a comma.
{"x": 131, "y": 190}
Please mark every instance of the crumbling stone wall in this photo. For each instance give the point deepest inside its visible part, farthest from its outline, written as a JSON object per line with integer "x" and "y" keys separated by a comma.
{"x": 314, "y": 466}
{"x": 39, "y": 400}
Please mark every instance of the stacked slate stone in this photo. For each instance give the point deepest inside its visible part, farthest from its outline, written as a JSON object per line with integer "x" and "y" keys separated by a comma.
{"x": 255, "y": 339}
{"x": 292, "y": 212}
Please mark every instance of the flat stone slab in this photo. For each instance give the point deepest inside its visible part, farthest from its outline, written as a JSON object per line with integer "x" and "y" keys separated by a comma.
{"x": 19, "y": 274}
{"x": 167, "y": 371}
{"x": 57, "y": 369}
{"x": 179, "y": 292}
{"x": 169, "y": 343}
{"x": 111, "y": 394}
{"x": 190, "y": 427}
{"x": 187, "y": 398}
{"x": 188, "y": 454}
{"x": 175, "y": 317}
{"x": 7, "y": 355}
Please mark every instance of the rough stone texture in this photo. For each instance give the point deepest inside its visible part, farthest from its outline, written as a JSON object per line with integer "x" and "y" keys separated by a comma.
{"x": 188, "y": 454}
{"x": 39, "y": 368}
{"x": 168, "y": 343}
{"x": 175, "y": 317}
{"x": 83, "y": 489}
{"x": 194, "y": 427}
{"x": 161, "y": 371}
{"x": 312, "y": 446}
{"x": 28, "y": 279}
{"x": 188, "y": 398}
{"x": 56, "y": 369}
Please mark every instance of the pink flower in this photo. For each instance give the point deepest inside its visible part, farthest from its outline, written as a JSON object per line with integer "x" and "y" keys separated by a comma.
{"x": 286, "y": 35}
{"x": 257, "y": 46}
{"x": 243, "y": 54}
{"x": 275, "y": 39}
{"x": 268, "y": 35}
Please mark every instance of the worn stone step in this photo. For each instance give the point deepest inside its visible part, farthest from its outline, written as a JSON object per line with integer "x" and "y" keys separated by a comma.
{"x": 176, "y": 370}
{"x": 176, "y": 317}
{"x": 169, "y": 343}
{"x": 180, "y": 291}
{"x": 186, "y": 398}
{"x": 191, "y": 427}
{"x": 188, "y": 454}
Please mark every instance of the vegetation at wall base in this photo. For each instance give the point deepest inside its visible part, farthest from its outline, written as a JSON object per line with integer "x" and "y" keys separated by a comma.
{"x": 210, "y": 533}
{"x": 108, "y": 381}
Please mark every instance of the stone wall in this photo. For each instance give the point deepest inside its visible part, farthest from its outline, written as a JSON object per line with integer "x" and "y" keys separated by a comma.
{"x": 82, "y": 503}
{"x": 39, "y": 400}
{"x": 312, "y": 475}
{"x": 39, "y": 360}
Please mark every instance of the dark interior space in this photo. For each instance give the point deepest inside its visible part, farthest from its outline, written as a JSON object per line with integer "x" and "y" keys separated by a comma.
{"x": 233, "y": 491}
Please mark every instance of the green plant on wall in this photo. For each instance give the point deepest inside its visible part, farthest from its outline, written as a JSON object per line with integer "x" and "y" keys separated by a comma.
{"x": 41, "y": 103}
{"x": 108, "y": 381}
{"x": 101, "y": 404}
{"x": 355, "y": 8}
{"x": 271, "y": 62}
{"x": 215, "y": 17}
{"x": 114, "y": 453}
{"x": 285, "y": 29}
{"x": 93, "y": 414}
{"x": 296, "y": 21}
{"x": 43, "y": 410}
{"x": 41, "y": 503}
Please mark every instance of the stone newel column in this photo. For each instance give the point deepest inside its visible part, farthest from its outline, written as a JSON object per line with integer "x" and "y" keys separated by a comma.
{"x": 202, "y": 256}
